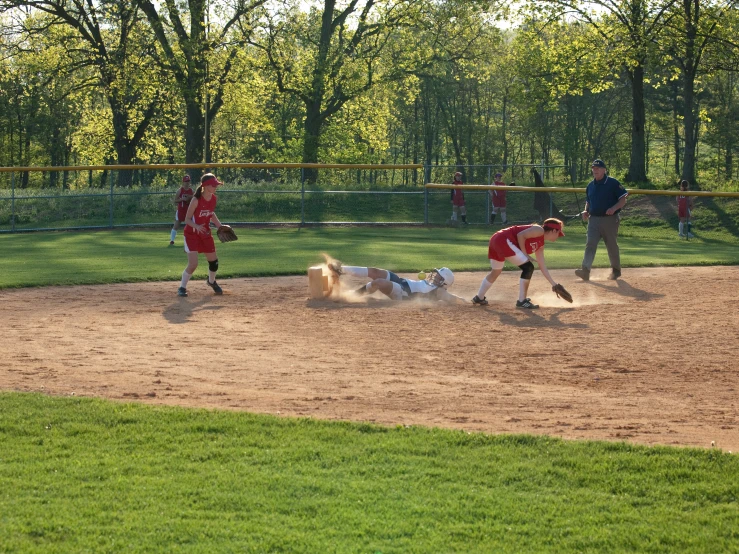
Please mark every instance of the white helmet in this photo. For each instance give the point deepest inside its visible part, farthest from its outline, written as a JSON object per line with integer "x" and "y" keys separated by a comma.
{"x": 441, "y": 277}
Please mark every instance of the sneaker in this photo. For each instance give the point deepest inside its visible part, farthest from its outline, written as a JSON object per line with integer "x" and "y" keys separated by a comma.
{"x": 584, "y": 274}
{"x": 171, "y": 243}
{"x": 691, "y": 236}
{"x": 681, "y": 235}
{"x": 615, "y": 274}
{"x": 527, "y": 303}
{"x": 182, "y": 291}
{"x": 214, "y": 285}
{"x": 480, "y": 301}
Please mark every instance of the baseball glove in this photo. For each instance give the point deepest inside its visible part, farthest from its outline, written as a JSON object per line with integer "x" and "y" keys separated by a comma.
{"x": 561, "y": 292}
{"x": 226, "y": 233}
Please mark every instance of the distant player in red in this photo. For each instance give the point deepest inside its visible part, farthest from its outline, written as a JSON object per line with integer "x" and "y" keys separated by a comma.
{"x": 458, "y": 204}
{"x": 684, "y": 208}
{"x": 513, "y": 244}
{"x": 182, "y": 200}
{"x": 499, "y": 201}
{"x": 198, "y": 238}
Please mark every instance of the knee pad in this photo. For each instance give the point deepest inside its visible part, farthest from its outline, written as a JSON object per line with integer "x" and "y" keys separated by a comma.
{"x": 527, "y": 270}
{"x": 213, "y": 266}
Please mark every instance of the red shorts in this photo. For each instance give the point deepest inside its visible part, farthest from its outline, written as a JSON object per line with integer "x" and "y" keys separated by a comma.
{"x": 499, "y": 201}
{"x": 682, "y": 211}
{"x": 196, "y": 242}
{"x": 181, "y": 213}
{"x": 498, "y": 248}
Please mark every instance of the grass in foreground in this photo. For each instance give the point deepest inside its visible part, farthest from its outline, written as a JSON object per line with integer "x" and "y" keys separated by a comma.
{"x": 68, "y": 258}
{"x": 88, "y": 475}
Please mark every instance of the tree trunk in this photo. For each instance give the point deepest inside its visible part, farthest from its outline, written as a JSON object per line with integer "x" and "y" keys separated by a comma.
{"x": 195, "y": 130}
{"x": 311, "y": 139}
{"x": 637, "y": 165}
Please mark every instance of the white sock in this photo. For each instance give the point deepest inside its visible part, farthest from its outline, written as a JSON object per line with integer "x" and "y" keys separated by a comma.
{"x": 211, "y": 276}
{"x": 172, "y": 234}
{"x": 681, "y": 227}
{"x": 522, "y": 290}
{"x": 484, "y": 287}
{"x": 185, "y": 278}
{"x": 355, "y": 271}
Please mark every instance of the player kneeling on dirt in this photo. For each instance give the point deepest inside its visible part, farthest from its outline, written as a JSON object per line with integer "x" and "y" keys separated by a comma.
{"x": 513, "y": 244}
{"x": 433, "y": 287}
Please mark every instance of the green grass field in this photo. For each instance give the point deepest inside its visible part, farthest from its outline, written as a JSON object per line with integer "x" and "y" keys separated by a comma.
{"x": 83, "y": 475}
{"x": 78, "y": 257}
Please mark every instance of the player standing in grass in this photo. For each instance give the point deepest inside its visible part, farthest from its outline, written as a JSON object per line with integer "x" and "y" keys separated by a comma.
{"x": 499, "y": 200}
{"x": 513, "y": 244}
{"x": 684, "y": 209}
{"x": 182, "y": 201}
{"x": 433, "y": 287}
{"x": 198, "y": 238}
{"x": 458, "y": 203}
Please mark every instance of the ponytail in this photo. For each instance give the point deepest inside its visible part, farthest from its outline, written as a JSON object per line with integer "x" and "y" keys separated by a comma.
{"x": 199, "y": 192}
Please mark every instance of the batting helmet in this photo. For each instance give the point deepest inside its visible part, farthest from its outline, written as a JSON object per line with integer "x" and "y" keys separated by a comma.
{"x": 441, "y": 277}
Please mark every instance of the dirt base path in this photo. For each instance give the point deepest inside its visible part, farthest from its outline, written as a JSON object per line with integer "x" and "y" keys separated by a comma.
{"x": 652, "y": 358}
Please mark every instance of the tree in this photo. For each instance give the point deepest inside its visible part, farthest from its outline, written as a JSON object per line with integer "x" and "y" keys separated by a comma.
{"x": 107, "y": 36}
{"x": 628, "y": 27}
{"x": 199, "y": 54}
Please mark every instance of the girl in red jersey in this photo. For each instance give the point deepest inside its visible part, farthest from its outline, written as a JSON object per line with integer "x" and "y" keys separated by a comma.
{"x": 458, "y": 203}
{"x": 182, "y": 201}
{"x": 499, "y": 200}
{"x": 684, "y": 207}
{"x": 198, "y": 238}
{"x": 513, "y": 244}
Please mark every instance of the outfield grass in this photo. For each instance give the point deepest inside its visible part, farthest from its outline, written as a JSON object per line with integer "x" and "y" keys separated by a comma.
{"x": 84, "y": 475}
{"x": 38, "y": 259}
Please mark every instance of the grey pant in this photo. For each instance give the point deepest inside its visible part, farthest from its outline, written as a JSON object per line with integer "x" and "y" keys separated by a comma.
{"x": 606, "y": 228}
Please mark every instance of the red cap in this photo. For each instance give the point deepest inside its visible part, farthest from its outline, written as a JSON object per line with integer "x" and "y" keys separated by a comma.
{"x": 552, "y": 225}
{"x": 186, "y": 178}
{"x": 209, "y": 180}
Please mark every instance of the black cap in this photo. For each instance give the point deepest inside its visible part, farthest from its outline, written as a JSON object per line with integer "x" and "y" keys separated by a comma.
{"x": 598, "y": 163}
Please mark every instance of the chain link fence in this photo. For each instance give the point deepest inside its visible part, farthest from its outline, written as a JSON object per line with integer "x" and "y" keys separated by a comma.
{"x": 296, "y": 194}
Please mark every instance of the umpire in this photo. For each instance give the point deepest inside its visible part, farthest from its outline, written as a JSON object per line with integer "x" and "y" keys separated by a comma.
{"x": 604, "y": 198}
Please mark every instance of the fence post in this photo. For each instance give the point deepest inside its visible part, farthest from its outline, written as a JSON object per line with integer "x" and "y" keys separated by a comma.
{"x": 487, "y": 197}
{"x": 12, "y": 202}
{"x": 426, "y": 175}
{"x": 302, "y": 196}
{"x": 110, "y": 178}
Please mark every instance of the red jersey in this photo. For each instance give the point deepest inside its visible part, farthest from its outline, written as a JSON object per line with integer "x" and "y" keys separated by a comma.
{"x": 499, "y": 200}
{"x": 683, "y": 205}
{"x": 498, "y": 248}
{"x": 183, "y": 204}
{"x": 457, "y": 194}
{"x": 202, "y": 215}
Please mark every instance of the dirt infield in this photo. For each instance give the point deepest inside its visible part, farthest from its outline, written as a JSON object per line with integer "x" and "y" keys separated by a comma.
{"x": 652, "y": 358}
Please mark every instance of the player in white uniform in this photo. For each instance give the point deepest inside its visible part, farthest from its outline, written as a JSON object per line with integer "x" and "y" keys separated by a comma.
{"x": 433, "y": 287}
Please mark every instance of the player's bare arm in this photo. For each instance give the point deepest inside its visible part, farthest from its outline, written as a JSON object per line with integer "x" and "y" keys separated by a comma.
{"x": 445, "y": 296}
{"x": 532, "y": 232}
{"x": 543, "y": 266}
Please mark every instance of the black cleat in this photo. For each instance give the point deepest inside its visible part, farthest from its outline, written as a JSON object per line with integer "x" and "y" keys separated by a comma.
{"x": 527, "y": 303}
{"x": 215, "y": 286}
{"x": 480, "y": 301}
{"x": 361, "y": 290}
{"x": 615, "y": 274}
{"x": 182, "y": 291}
{"x": 584, "y": 274}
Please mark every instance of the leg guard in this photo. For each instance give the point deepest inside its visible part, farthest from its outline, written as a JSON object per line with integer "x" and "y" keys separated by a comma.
{"x": 527, "y": 270}
{"x": 213, "y": 266}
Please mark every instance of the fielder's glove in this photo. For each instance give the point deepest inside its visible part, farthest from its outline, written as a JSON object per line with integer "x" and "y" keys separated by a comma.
{"x": 226, "y": 233}
{"x": 561, "y": 292}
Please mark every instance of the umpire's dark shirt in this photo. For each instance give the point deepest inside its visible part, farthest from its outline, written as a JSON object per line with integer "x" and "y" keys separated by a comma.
{"x": 601, "y": 195}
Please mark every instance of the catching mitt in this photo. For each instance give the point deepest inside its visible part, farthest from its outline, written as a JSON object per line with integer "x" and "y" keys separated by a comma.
{"x": 561, "y": 292}
{"x": 226, "y": 233}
